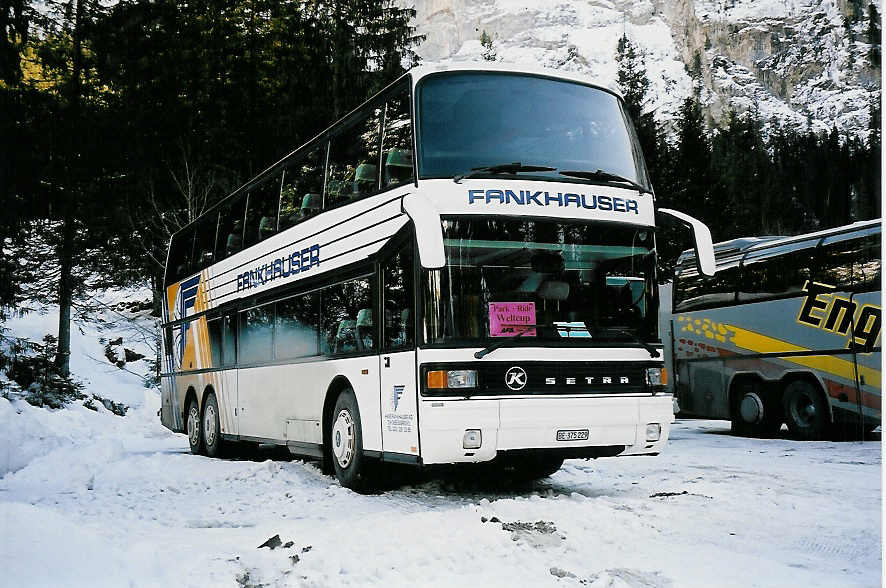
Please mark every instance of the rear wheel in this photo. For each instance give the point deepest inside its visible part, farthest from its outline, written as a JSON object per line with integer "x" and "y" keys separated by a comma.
{"x": 195, "y": 432}
{"x": 806, "y": 410}
{"x": 212, "y": 440}
{"x": 754, "y": 413}
{"x": 352, "y": 468}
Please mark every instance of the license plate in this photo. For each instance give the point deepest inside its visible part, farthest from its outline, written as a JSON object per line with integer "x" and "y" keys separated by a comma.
{"x": 572, "y": 435}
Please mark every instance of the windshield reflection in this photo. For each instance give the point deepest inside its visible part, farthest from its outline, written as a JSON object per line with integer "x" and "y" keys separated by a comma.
{"x": 479, "y": 119}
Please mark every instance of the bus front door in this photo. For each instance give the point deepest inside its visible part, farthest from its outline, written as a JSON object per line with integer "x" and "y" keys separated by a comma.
{"x": 399, "y": 404}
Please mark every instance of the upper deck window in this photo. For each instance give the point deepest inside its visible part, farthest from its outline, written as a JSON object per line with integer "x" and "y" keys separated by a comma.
{"x": 477, "y": 119}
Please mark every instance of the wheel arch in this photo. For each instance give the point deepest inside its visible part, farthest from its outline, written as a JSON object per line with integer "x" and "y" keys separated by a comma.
{"x": 333, "y": 391}
{"x": 739, "y": 378}
{"x": 191, "y": 394}
{"x": 206, "y": 391}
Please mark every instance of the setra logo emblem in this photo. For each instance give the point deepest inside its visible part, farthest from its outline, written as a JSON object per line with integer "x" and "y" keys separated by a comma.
{"x": 515, "y": 378}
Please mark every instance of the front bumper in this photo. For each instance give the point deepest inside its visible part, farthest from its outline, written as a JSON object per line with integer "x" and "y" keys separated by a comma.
{"x": 532, "y": 423}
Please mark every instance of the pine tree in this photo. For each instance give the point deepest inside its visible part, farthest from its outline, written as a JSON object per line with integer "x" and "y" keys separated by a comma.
{"x": 692, "y": 165}
{"x": 634, "y": 83}
{"x": 13, "y": 38}
{"x": 200, "y": 123}
{"x": 489, "y": 53}
{"x": 874, "y": 35}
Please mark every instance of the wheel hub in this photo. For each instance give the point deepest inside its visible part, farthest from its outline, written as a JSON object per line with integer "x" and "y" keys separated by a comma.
{"x": 209, "y": 424}
{"x": 751, "y": 408}
{"x": 193, "y": 426}
{"x": 343, "y": 438}
{"x": 805, "y": 410}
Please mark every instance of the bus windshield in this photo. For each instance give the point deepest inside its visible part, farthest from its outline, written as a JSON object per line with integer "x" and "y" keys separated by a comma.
{"x": 573, "y": 283}
{"x": 481, "y": 119}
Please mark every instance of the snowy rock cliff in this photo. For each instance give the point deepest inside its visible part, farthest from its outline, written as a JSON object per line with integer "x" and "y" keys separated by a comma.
{"x": 798, "y": 62}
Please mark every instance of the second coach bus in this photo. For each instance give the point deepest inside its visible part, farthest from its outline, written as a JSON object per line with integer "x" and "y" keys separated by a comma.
{"x": 463, "y": 269}
{"x": 787, "y": 331}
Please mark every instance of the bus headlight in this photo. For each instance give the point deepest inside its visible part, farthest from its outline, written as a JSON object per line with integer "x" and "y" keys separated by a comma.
{"x": 656, "y": 376}
{"x": 473, "y": 439}
{"x": 653, "y": 432}
{"x": 441, "y": 379}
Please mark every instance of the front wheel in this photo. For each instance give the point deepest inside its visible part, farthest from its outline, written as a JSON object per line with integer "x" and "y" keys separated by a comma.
{"x": 806, "y": 410}
{"x": 352, "y": 468}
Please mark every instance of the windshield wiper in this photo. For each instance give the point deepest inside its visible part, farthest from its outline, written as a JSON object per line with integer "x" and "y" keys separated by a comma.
{"x": 502, "y": 342}
{"x": 605, "y": 176}
{"x": 504, "y": 168}
{"x": 653, "y": 352}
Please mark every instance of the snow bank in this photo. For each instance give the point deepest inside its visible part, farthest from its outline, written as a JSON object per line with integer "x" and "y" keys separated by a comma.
{"x": 24, "y": 435}
{"x": 28, "y": 433}
{"x": 105, "y": 323}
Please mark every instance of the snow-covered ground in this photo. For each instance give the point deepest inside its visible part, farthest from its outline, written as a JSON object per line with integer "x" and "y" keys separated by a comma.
{"x": 94, "y": 499}
{"x": 128, "y": 505}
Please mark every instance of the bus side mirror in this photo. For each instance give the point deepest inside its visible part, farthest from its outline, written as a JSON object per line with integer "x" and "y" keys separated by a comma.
{"x": 428, "y": 229}
{"x": 704, "y": 245}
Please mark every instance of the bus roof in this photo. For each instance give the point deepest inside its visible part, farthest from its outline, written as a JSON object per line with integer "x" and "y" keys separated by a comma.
{"x": 422, "y": 71}
{"x": 418, "y": 73}
{"x": 745, "y": 245}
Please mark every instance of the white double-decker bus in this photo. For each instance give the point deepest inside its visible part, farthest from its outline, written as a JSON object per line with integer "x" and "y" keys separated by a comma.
{"x": 460, "y": 270}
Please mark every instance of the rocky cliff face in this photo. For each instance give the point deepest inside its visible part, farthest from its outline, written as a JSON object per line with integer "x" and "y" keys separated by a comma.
{"x": 798, "y": 62}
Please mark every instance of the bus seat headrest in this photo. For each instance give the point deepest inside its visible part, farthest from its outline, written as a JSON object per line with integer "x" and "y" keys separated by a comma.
{"x": 554, "y": 290}
{"x": 364, "y": 317}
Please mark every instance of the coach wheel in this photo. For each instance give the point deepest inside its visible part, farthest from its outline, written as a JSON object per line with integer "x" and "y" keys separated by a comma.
{"x": 755, "y": 414}
{"x": 195, "y": 434}
{"x": 346, "y": 444}
{"x": 211, "y": 427}
{"x": 806, "y": 410}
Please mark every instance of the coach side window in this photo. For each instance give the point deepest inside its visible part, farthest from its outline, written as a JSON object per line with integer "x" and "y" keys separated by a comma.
{"x": 229, "y": 339}
{"x": 256, "y": 334}
{"x": 261, "y": 211}
{"x": 301, "y": 195}
{"x": 353, "y": 161}
{"x": 346, "y": 317}
{"x": 214, "y": 326}
{"x": 868, "y": 265}
{"x": 776, "y": 272}
{"x": 398, "y": 303}
{"x": 180, "y": 252}
{"x": 204, "y": 241}
{"x": 295, "y": 333}
{"x": 229, "y": 239}
{"x": 396, "y": 151}
{"x": 693, "y": 290}
{"x": 850, "y": 264}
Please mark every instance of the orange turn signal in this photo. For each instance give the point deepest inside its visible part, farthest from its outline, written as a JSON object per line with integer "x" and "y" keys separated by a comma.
{"x": 664, "y": 376}
{"x": 437, "y": 379}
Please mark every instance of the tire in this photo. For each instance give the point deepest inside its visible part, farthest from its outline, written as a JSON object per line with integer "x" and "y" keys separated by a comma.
{"x": 754, "y": 413}
{"x": 806, "y": 411}
{"x": 352, "y": 468}
{"x": 194, "y": 428}
{"x": 211, "y": 427}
